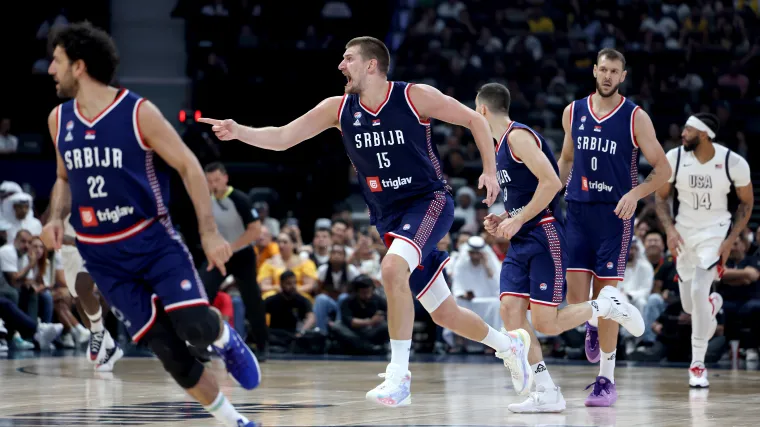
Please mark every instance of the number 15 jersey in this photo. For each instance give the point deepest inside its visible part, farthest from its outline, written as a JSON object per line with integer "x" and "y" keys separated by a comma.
{"x": 391, "y": 150}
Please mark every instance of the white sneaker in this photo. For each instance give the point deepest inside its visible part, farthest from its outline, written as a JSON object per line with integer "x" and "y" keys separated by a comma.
{"x": 47, "y": 333}
{"x": 112, "y": 356}
{"x": 716, "y": 301}
{"x": 516, "y": 359}
{"x": 68, "y": 341}
{"x": 698, "y": 376}
{"x": 623, "y": 312}
{"x": 81, "y": 334}
{"x": 541, "y": 400}
{"x": 395, "y": 390}
{"x": 2, "y": 327}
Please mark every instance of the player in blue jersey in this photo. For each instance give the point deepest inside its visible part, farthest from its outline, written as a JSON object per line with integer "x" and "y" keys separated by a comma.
{"x": 108, "y": 177}
{"x": 533, "y": 273}
{"x": 386, "y": 133}
{"x": 599, "y": 163}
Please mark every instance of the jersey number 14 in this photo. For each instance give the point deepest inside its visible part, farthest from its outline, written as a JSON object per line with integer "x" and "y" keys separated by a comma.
{"x": 701, "y": 201}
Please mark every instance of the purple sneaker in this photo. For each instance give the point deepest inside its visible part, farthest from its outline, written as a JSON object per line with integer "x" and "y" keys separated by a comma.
{"x": 604, "y": 393}
{"x": 593, "y": 352}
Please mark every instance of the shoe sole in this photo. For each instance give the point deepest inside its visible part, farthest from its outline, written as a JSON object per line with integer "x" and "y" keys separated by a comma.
{"x": 405, "y": 402}
{"x": 549, "y": 409}
{"x": 118, "y": 354}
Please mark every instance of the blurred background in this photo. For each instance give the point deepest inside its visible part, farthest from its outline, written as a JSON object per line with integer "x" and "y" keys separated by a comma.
{"x": 265, "y": 62}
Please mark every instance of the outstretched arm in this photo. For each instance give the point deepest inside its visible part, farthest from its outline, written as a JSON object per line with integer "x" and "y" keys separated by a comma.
{"x": 311, "y": 124}
{"x": 565, "y": 162}
{"x": 429, "y": 102}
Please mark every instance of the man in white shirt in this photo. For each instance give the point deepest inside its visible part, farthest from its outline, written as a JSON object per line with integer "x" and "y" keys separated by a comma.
{"x": 704, "y": 177}
{"x": 18, "y": 211}
{"x": 8, "y": 142}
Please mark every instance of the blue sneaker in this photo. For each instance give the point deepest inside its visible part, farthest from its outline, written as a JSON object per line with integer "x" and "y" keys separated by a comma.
{"x": 240, "y": 361}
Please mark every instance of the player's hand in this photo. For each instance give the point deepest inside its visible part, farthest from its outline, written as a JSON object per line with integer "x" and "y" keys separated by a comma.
{"x": 52, "y": 234}
{"x": 674, "y": 242}
{"x": 491, "y": 223}
{"x": 725, "y": 250}
{"x": 492, "y": 187}
{"x": 217, "y": 251}
{"x": 626, "y": 207}
{"x": 509, "y": 227}
{"x": 225, "y": 130}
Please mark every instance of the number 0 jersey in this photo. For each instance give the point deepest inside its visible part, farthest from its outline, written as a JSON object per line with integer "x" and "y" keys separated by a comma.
{"x": 606, "y": 158}
{"x": 391, "y": 150}
{"x": 702, "y": 189}
{"x": 118, "y": 186}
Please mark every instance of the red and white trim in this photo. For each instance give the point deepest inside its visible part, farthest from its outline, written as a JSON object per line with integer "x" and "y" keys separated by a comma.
{"x": 514, "y": 294}
{"x": 136, "y": 125}
{"x": 548, "y": 304}
{"x": 144, "y": 330}
{"x": 608, "y": 115}
{"x": 184, "y": 304}
{"x": 509, "y": 146}
{"x": 435, "y": 276}
{"x": 115, "y": 237}
{"x": 390, "y": 237}
{"x": 99, "y": 117}
{"x": 412, "y": 107}
{"x": 383, "y": 104}
{"x": 596, "y": 276}
{"x": 340, "y": 108}
{"x": 57, "y": 125}
{"x": 503, "y": 137}
{"x": 633, "y": 127}
{"x": 572, "y": 110}
{"x": 546, "y": 220}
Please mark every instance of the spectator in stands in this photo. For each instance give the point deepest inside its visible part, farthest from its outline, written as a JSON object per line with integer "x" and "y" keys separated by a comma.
{"x": 6, "y": 290}
{"x": 465, "y": 208}
{"x": 272, "y": 224}
{"x": 290, "y": 312}
{"x": 8, "y": 142}
{"x": 17, "y": 209}
{"x": 363, "y": 326}
{"x": 16, "y": 265}
{"x": 665, "y": 292}
{"x": 365, "y": 258}
{"x": 19, "y": 322}
{"x": 266, "y": 249}
{"x": 304, "y": 269}
{"x": 342, "y": 235}
{"x": 639, "y": 276}
{"x": 740, "y": 288}
{"x": 334, "y": 279}
{"x": 45, "y": 273}
{"x": 319, "y": 250}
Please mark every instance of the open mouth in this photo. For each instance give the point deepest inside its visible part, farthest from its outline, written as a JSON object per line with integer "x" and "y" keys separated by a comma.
{"x": 348, "y": 79}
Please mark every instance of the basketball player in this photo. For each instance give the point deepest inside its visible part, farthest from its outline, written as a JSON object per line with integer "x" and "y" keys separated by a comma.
{"x": 386, "y": 133}
{"x": 533, "y": 274}
{"x": 109, "y": 178}
{"x": 704, "y": 174}
{"x": 599, "y": 163}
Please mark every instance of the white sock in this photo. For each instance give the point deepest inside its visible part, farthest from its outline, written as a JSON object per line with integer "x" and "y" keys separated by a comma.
{"x": 400, "y": 353}
{"x": 225, "y": 338}
{"x": 698, "y": 350}
{"x": 541, "y": 376}
{"x": 80, "y": 328}
{"x": 496, "y": 340}
{"x": 607, "y": 365}
{"x": 223, "y": 411}
{"x": 600, "y": 308}
{"x": 96, "y": 320}
{"x": 594, "y": 321}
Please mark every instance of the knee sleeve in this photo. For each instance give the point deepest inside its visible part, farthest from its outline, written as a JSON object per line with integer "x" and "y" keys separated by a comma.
{"x": 197, "y": 325}
{"x": 173, "y": 353}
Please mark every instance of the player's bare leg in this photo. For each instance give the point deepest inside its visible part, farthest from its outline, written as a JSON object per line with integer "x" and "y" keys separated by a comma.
{"x": 578, "y": 290}
{"x": 103, "y": 350}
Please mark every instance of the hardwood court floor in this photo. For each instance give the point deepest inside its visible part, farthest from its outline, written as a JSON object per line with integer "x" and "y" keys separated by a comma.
{"x": 64, "y": 391}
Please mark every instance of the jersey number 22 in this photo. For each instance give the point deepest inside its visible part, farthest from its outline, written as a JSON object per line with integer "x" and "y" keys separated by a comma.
{"x": 96, "y": 184}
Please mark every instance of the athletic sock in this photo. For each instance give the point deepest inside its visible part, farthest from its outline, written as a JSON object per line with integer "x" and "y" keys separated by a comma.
{"x": 96, "y": 320}
{"x": 607, "y": 366}
{"x": 541, "y": 376}
{"x": 400, "y": 353}
{"x": 496, "y": 340}
{"x": 222, "y": 410}
{"x": 600, "y": 308}
{"x": 594, "y": 321}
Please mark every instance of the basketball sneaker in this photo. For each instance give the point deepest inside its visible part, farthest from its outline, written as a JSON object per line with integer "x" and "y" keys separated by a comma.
{"x": 516, "y": 359}
{"x": 541, "y": 400}
{"x": 698, "y": 375}
{"x": 240, "y": 361}
{"x": 113, "y": 355}
{"x": 96, "y": 348}
{"x": 604, "y": 393}
{"x": 623, "y": 312}
{"x": 395, "y": 391}
{"x": 47, "y": 333}
{"x": 593, "y": 352}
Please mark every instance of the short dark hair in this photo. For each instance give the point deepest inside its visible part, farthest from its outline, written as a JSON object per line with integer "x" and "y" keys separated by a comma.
{"x": 496, "y": 97}
{"x": 362, "y": 281}
{"x": 323, "y": 230}
{"x": 372, "y": 48}
{"x": 287, "y": 274}
{"x": 657, "y": 233}
{"x": 215, "y": 166}
{"x": 82, "y": 41}
{"x": 610, "y": 54}
{"x": 711, "y": 120}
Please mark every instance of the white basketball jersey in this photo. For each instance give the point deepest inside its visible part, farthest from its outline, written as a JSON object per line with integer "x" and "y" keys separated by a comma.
{"x": 703, "y": 188}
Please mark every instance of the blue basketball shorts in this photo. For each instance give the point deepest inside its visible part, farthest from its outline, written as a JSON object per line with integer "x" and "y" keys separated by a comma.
{"x": 598, "y": 240}
{"x": 413, "y": 234}
{"x": 535, "y": 265}
{"x": 141, "y": 271}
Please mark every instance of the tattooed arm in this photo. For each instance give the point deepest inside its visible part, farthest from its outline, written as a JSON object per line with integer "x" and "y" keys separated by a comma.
{"x": 743, "y": 212}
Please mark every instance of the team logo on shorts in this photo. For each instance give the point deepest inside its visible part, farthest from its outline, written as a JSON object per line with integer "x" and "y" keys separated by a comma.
{"x": 407, "y": 226}
{"x": 543, "y": 286}
{"x": 609, "y": 266}
{"x": 185, "y": 285}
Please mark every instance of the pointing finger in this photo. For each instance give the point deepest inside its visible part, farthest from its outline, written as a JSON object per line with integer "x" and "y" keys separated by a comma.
{"x": 209, "y": 121}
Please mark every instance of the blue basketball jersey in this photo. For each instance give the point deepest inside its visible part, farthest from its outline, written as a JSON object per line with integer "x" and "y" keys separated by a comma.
{"x": 391, "y": 150}
{"x": 606, "y": 159}
{"x": 117, "y": 187}
{"x": 518, "y": 183}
